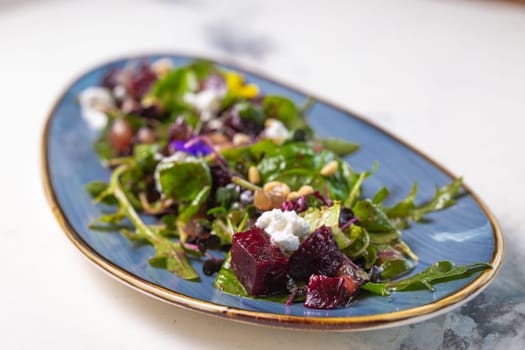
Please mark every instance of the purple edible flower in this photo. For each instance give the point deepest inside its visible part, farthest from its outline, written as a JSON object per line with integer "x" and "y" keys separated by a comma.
{"x": 194, "y": 146}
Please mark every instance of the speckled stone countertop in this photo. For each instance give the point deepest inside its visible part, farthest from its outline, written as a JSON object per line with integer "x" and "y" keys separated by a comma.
{"x": 447, "y": 76}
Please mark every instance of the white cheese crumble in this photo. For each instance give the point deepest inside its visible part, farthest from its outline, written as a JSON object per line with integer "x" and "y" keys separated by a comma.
{"x": 284, "y": 227}
{"x": 119, "y": 92}
{"x": 276, "y": 130}
{"x": 206, "y": 102}
{"x": 95, "y": 102}
{"x": 165, "y": 162}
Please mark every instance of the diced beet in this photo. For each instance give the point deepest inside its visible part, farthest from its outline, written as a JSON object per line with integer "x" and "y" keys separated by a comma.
{"x": 329, "y": 292}
{"x": 259, "y": 265}
{"x": 349, "y": 268}
{"x": 318, "y": 254}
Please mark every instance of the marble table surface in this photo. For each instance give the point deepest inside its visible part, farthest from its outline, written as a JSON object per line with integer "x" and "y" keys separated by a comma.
{"x": 447, "y": 76}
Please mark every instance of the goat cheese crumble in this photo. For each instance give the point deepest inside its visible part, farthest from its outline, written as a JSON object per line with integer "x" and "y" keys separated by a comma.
{"x": 206, "y": 102}
{"x": 276, "y": 130}
{"x": 284, "y": 227}
{"x": 95, "y": 102}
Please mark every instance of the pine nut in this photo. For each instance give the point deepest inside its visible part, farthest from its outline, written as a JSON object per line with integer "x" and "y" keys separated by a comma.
{"x": 330, "y": 168}
{"x": 241, "y": 139}
{"x": 277, "y": 188}
{"x": 262, "y": 200}
{"x": 305, "y": 190}
{"x": 292, "y": 195}
{"x": 253, "y": 175}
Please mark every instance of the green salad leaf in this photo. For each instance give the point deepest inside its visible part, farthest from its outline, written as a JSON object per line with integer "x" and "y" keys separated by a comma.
{"x": 226, "y": 280}
{"x": 202, "y": 201}
{"x": 407, "y": 210}
{"x": 440, "y": 271}
{"x": 183, "y": 180}
{"x": 168, "y": 254}
{"x": 340, "y": 147}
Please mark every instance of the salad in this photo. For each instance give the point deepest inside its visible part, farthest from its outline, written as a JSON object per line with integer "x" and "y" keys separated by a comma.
{"x": 237, "y": 179}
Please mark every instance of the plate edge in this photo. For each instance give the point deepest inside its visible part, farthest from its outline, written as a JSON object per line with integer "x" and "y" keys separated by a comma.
{"x": 262, "y": 318}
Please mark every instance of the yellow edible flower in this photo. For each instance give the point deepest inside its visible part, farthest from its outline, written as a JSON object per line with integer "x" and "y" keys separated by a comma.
{"x": 236, "y": 86}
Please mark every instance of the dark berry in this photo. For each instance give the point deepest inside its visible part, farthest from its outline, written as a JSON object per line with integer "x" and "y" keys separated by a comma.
{"x": 345, "y": 215}
{"x": 211, "y": 266}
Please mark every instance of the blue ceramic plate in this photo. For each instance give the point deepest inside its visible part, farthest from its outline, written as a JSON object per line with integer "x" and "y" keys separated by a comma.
{"x": 464, "y": 233}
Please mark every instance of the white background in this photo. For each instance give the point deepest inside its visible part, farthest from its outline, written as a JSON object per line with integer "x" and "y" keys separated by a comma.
{"x": 448, "y": 76}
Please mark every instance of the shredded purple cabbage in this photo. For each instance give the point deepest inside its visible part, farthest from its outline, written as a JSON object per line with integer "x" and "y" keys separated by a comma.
{"x": 349, "y": 222}
{"x": 301, "y": 204}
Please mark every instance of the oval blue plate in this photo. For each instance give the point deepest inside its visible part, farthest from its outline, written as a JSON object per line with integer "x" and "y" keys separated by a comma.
{"x": 464, "y": 233}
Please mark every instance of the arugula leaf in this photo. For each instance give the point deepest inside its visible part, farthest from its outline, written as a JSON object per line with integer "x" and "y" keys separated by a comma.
{"x": 96, "y": 188}
{"x": 440, "y": 271}
{"x": 169, "y": 254}
{"x": 406, "y": 209}
{"x": 340, "y": 147}
{"x": 381, "y": 195}
{"x": 443, "y": 198}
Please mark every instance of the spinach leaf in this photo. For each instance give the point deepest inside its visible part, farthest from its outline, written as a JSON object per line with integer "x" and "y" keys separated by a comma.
{"x": 360, "y": 242}
{"x": 297, "y": 164}
{"x": 144, "y": 155}
{"x": 169, "y": 91}
{"x": 183, "y": 180}
{"x": 440, "y": 271}
{"x": 395, "y": 267}
{"x": 186, "y": 213}
{"x": 250, "y": 112}
{"x": 373, "y": 218}
{"x": 282, "y": 109}
{"x": 226, "y": 280}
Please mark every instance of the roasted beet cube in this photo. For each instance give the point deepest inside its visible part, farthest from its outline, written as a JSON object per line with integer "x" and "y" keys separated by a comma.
{"x": 329, "y": 292}
{"x": 259, "y": 265}
{"x": 318, "y": 254}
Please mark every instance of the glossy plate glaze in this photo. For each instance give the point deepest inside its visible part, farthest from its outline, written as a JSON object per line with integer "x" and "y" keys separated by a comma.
{"x": 464, "y": 233}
